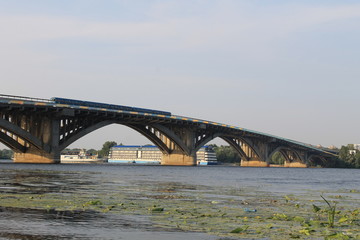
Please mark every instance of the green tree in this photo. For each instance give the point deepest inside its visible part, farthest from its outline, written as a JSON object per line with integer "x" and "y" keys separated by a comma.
{"x": 357, "y": 160}
{"x": 104, "y": 152}
{"x": 349, "y": 156}
{"x": 226, "y": 154}
{"x": 6, "y": 154}
{"x": 277, "y": 158}
{"x": 91, "y": 152}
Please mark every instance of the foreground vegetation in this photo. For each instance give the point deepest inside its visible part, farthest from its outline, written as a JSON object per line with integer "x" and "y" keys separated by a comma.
{"x": 229, "y": 213}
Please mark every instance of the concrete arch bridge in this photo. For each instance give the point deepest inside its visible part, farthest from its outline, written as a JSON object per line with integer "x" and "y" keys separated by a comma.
{"x": 39, "y": 129}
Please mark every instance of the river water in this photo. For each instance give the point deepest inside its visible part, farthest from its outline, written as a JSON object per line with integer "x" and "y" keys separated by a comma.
{"x": 82, "y": 183}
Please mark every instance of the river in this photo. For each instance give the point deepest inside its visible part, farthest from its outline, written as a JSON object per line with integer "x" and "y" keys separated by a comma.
{"x": 110, "y": 201}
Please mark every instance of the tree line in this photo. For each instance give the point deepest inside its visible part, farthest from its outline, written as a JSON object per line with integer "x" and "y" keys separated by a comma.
{"x": 102, "y": 153}
{"x": 349, "y": 156}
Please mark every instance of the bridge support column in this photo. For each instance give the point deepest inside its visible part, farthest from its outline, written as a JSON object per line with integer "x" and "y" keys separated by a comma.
{"x": 33, "y": 155}
{"x": 295, "y": 164}
{"x": 48, "y": 145}
{"x": 254, "y": 162}
{"x": 178, "y": 159}
{"x": 182, "y": 152}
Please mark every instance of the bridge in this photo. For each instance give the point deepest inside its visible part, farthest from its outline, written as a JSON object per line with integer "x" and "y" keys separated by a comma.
{"x": 37, "y": 130}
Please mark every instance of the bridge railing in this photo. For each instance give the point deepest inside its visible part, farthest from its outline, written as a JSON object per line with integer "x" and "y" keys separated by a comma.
{"x": 25, "y": 98}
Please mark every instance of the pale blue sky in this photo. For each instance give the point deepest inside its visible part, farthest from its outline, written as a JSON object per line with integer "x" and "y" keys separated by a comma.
{"x": 288, "y": 68}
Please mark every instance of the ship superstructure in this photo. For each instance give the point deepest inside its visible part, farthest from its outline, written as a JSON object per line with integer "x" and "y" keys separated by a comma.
{"x": 135, "y": 154}
{"x": 206, "y": 156}
{"x": 149, "y": 154}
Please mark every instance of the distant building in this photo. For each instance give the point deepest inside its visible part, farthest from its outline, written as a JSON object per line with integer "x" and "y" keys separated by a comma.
{"x": 353, "y": 152}
{"x": 152, "y": 155}
{"x": 135, "y": 154}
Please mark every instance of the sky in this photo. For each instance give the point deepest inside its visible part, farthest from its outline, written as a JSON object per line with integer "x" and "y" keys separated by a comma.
{"x": 287, "y": 68}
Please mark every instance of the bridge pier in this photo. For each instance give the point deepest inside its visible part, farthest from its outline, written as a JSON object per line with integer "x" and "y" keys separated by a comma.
{"x": 38, "y": 138}
{"x": 254, "y": 163}
{"x": 295, "y": 164}
{"x": 36, "y": 156}
{"x": 178, "y": 159}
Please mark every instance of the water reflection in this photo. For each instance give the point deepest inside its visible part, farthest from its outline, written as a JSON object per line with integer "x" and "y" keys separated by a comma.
{"x": 40, "y": 182}
{"x": 30, "y": 222}
{"x": 23, "y": 236}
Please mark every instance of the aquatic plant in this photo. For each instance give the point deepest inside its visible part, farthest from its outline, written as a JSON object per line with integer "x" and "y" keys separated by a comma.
{"x": 316, "y": 208}
{"x": 94, "y": 202}
{"x": 240, "y": 229}
{"x": 337, "y": 235}
{"x": 280, "y": 216}
{"x": 155, "y": 209}
{"x": 307, "y": 231}
{"x": 224, "y": 212}
{"x": 331, "y": 211}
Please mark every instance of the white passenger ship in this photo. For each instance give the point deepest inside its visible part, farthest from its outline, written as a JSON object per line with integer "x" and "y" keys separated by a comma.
{"x": 79, "y": 157}
{"x": 206, "y": 156}
{"x": 152, "y": 155}
{"x": 135, "y": 154}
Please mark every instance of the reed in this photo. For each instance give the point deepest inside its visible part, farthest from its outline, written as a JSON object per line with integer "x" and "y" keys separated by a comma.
{"x": 331, "y": 211}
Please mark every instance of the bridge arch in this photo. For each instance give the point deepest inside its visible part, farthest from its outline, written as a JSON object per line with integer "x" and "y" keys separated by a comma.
{"x": 203, "y": 139}
{"x": 18, "y": 139}
{"x": 11, "y": 143}
{"x": 244, "y": 147}
{"x": 292, "y": 157}
{"x": 283, "y": 156}
{"x": 69, "y": 136}
{"x": 316, "y": 160}
{"x": 164, "y": 138}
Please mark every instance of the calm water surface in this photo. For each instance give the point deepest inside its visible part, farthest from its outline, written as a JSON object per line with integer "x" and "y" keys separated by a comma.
{"x": 106, "y": 178}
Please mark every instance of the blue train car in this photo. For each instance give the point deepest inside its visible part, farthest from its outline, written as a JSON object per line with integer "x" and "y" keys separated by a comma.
{"x": 107, "y": 106}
